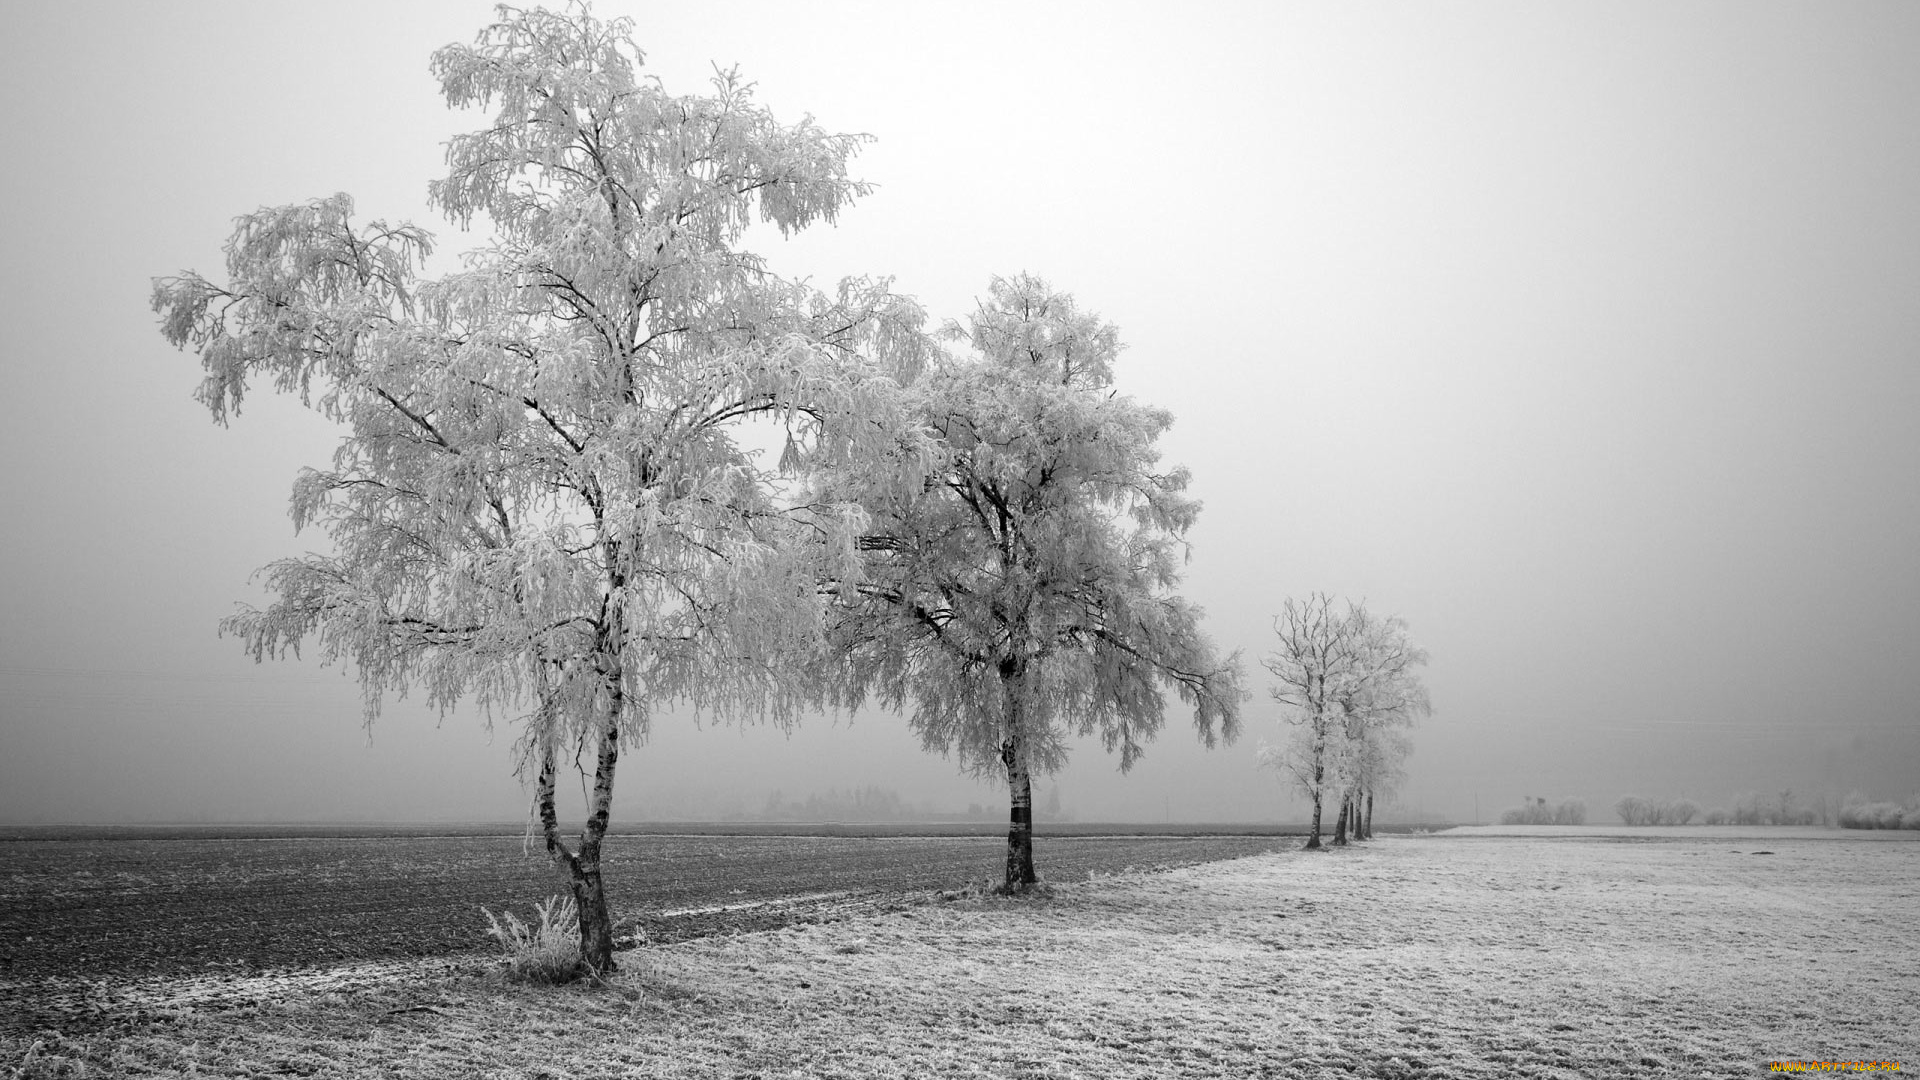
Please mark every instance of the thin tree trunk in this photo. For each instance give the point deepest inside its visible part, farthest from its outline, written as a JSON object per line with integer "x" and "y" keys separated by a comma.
{"x": 589, "y": 893}
{"x": 1340, "y": 828}
{"x": 1369, "y": 813}
{"x": 1314, "y": 834}
{"x": 563, "y": 857}
{"x": 1319, "y": 778}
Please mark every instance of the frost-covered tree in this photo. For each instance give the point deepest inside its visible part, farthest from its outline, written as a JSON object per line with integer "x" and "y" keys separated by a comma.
{"x": 543, "y": 501}
{"x": 1345, "y": 681}
{"x": 1385, "y": 695}
{"x": 1316, "y": 655}
{"x": 1024, "y": 593}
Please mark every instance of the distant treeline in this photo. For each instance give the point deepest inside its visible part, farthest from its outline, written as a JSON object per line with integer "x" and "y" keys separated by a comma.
{"x": 1787, "y": 809}
{"x": 1855, "y": 812}
{"x": 875, "y": 803}
{"x": 1784, "y": 808}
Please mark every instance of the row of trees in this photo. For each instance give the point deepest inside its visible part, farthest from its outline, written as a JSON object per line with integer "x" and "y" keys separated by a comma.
{"x": 1348, "y": 685}
{"x": 548, "y": 502}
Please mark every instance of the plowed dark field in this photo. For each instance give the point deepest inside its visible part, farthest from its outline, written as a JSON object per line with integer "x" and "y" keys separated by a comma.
{"x": 106, "y": 905}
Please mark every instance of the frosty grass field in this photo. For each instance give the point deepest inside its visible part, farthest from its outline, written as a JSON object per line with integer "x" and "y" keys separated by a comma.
{"x": 1673, "y": 952}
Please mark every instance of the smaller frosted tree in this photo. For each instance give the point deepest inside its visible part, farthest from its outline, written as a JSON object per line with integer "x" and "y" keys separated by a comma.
{"x": 1315, "y": 658}
{"x": 1384, "y": 696}
{"x": 1024, "y": 592}
{"x": 1344, "y": 680}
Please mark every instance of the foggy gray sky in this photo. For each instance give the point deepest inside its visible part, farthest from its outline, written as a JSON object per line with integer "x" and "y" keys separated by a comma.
{"x": 1585, "y": 337}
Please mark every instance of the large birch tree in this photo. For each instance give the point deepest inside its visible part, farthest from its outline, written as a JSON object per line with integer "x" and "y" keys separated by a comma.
{"x": 543, "y": 501}
{"x": 1024, "y": 593}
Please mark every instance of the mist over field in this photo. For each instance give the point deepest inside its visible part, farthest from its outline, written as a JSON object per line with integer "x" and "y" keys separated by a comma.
{"x": 1580, "y": 337}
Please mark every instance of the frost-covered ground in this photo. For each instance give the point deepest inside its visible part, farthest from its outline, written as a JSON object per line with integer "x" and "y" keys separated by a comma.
{"x": 1686, "y": 832}
{"x": 1451, "y": 955}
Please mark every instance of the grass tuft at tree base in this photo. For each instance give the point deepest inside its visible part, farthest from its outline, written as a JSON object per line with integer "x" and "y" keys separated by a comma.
{"x": 546, "y": 953}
